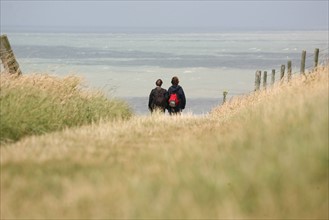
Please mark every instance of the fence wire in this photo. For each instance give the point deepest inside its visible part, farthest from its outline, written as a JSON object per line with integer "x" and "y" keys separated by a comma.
{"x": 323, "y": 59}
{"x": 309, "y": 63}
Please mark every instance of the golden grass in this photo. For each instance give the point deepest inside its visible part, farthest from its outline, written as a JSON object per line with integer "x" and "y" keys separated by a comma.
{"x": 264, "y": 155}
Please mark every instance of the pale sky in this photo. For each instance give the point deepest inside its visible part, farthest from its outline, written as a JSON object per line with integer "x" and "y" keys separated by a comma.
{"x": 269, "y": 15}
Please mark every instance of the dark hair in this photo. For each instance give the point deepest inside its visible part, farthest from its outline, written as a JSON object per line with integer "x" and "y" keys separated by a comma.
{"x": 158, "y": 82}
{"x": 175, "y": 80}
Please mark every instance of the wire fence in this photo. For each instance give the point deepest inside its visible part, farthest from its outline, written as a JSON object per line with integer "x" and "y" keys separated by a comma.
{"x": 320, "y": 57}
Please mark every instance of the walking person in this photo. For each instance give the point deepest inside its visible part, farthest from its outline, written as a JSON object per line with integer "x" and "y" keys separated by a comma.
{"x": 176, "y": 97}
{"x": 157, "y": 99}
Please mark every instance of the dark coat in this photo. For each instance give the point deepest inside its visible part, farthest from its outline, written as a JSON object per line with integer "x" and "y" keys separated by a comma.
{"x": 181, "y": 96}
{"x": 153, "y": 96}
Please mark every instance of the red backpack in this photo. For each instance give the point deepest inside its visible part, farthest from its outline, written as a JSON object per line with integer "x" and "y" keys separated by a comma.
{"x": 173, "y": 100}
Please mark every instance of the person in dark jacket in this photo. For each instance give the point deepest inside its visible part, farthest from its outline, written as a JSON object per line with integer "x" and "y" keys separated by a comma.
{"x": 178, "y": 90}
{"x": 157, "y": 99}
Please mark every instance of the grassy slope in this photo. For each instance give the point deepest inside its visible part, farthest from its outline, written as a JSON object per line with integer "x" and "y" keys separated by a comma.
{"x": 37, "y": 104}
{"x": 260, "y": 156}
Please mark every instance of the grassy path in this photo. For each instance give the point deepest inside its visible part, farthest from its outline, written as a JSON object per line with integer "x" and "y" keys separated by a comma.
{"x": 260, "y": 156}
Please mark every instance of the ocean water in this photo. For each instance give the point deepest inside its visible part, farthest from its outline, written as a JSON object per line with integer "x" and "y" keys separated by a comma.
{"x": 127, "y": 64}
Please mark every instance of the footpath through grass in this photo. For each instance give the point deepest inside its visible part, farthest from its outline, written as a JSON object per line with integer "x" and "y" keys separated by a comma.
{"x": 260, "y": 156}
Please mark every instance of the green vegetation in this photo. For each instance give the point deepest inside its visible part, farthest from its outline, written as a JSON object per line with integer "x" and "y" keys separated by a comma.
{"x": 261, "y": 156}
{"x": 36, "y": 104}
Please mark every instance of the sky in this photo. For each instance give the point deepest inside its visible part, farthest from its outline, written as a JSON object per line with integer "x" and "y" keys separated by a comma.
{"x": 223, "y": 15}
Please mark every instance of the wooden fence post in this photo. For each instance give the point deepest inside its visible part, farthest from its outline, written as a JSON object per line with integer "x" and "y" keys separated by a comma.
{"x": 7, "y": 56}
{"x": 289, "y": 71}
{"x": 224, "y": 96}
{"x": 265, "y": 79}
{"x": 258, "y": 75}
{"x": 316, "y": 58}
{"x": 303, "y": 61}
{"x": 273, "y": 76}
{"x": 283, "y": 67}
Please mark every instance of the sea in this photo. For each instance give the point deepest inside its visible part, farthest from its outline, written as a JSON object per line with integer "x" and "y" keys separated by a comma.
{"x": 125, "y": 63}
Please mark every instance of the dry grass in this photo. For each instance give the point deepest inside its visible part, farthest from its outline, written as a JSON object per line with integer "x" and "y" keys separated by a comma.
{"x": 260, "y": 156}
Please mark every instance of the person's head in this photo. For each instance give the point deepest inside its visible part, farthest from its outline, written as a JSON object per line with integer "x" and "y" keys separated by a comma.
{"x": 158, "y": 82}
{"x": 175, "y": 81}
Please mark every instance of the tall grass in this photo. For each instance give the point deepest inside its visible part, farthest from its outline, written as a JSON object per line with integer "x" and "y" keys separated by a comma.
{"x": 36, "y": 104}
{"x": 262, "y": 156}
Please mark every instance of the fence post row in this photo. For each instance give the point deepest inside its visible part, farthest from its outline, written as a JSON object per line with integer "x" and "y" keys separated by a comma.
{"x": 289, "y": 70}
{"x": 7, "y": 56}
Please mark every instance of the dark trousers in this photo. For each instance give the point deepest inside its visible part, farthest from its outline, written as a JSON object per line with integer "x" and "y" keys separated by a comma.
{"x": 174, "y": 111}
{"x": 158, "y": 109}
